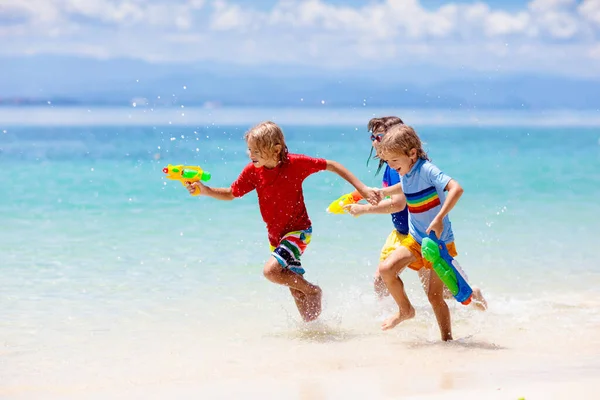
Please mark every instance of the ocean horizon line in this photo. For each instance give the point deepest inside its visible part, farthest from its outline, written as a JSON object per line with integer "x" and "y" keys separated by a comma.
{"x": 316, "y": 116}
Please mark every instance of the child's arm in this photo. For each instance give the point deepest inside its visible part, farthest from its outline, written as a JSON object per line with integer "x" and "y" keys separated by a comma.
{"x": 215, "y": 193}
{"x": 369, "y": 194}
{"x": 454, "y": 192}
{"x": 388, "y": 206}
{"x": 392, "y": 190}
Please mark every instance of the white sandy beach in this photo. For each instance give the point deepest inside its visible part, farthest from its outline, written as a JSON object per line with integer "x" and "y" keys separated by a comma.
{"x": 317, "y": 362}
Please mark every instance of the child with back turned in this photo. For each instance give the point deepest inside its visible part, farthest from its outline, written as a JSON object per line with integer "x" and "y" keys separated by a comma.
{"x": 395, "y": 205}
{"x": 430, "y": 195}
{"x": 277, "y": 177}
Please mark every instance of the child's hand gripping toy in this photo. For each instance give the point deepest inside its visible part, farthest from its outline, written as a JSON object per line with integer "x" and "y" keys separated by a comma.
{"x": 446, "y": 267}
{"x": 186, "y": 175}
{"x": 337, "y": 206}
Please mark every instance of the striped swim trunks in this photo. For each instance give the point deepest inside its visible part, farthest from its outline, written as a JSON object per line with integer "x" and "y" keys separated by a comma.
{"x": 290, "y": 249}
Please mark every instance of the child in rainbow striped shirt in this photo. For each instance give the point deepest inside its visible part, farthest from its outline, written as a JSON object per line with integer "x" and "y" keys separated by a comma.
{"x": 424, "y": 186}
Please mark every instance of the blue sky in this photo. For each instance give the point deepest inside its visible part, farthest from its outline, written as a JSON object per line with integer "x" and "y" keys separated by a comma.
{"x": 429, "y": 4}
{"x": 540, "y": 36}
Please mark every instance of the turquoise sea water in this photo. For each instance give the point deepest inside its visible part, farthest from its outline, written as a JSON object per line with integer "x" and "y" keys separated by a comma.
{"x": 112, "y": 274}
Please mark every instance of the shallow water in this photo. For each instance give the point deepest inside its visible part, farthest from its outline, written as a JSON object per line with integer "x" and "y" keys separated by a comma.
{"x": 114, "y": 279}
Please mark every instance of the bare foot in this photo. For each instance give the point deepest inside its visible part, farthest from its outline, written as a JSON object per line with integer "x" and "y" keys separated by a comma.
{"x": 309, "y": 305}
{"x": 395, "y": 319}
{"x": 478, "y": 301}
{"x": 313, "y": 305}
{"x": 300, "y": 300}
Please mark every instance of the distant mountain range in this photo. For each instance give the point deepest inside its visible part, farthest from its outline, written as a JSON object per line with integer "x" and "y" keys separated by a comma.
{"x": 74, "y": 80}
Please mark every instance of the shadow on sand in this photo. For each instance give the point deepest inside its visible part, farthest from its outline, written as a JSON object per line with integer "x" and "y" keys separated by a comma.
{"x": 465, "y": 342}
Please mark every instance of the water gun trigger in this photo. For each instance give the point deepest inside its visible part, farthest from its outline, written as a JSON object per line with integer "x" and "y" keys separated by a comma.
{"x": 441, "y": 246}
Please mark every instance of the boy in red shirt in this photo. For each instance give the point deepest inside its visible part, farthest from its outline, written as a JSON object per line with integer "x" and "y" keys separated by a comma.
{"x": 277, "y": 177}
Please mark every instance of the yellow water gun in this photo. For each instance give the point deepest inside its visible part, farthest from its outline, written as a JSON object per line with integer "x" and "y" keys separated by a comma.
{"x": 337, "y": 206}
{"x": 186, "y": 175}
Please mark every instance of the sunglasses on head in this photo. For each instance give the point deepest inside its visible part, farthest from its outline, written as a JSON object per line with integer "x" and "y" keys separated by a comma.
{"x": 376, "y": 137}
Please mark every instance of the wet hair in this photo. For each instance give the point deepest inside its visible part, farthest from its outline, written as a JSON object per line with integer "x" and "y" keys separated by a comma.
{"x": 267, "y": 135}
{"x": 381, "y": 125}
{"x": 401, "y": 139}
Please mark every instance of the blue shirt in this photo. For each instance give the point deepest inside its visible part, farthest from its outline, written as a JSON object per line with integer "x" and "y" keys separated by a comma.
{"x": 400, "y": 218}
{"x": 424, "y": 187}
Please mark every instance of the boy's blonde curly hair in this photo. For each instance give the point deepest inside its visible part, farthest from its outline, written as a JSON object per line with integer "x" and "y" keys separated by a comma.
{"x": 401, "y": 139}
{"x": 267, "y": 135}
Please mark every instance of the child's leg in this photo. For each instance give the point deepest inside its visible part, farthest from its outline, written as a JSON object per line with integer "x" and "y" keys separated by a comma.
{"x": 435, "y": 294}
{"x": 424, "y": 275}
{"x": 379, "y": 286}
{"x": 392, "y": 242}
{"x": 284, "y": 268}
{"x": 309, "y": 308}
{"x": 479, "y": 301}
{"x": 389, "y": 270}
{"x": 306, "y": 295}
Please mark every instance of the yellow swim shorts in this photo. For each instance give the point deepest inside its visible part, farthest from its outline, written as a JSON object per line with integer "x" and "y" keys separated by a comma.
{"x": 393, "y": 241}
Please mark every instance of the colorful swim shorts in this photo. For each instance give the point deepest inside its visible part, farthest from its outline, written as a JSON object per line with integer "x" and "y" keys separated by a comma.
{"x": 290, "y": 249}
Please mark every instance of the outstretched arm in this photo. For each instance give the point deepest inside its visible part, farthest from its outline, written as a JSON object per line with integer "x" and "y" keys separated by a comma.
{"x": 369, "y": 194}
{"x": 215, "y": 193}
{"x": 387, "y": 206}
{"x": 392, "y": 190}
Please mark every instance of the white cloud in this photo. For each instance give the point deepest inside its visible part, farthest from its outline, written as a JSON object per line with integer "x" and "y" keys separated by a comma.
{"x": 590, "y": 10}
{"x": 557, "y": 33}
{"x": 502, "y": 23}
{"x": 227, "y": 17}
{"x": 19, "y": 16}
{"x": 560, "y": 25}
{"x": 549, "y": 5}
{"x": 558, "y": 19}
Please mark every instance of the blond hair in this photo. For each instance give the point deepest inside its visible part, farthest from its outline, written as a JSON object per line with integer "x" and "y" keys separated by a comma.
{"x": 267, "y": 135}
{"x": 401, "y": 139}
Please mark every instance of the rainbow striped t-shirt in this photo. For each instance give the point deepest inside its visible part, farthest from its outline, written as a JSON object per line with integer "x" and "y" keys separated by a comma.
{"x": 423, "y": 187}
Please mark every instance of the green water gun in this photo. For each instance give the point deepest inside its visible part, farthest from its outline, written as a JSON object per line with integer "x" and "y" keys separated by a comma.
{"x": 435, "y": 251}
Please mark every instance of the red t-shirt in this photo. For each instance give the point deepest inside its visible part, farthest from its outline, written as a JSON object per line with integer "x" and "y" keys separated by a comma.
{"x": 279, "y": 193}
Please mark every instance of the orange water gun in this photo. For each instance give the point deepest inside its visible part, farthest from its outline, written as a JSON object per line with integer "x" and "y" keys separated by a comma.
{"x": 337, "y": 206}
